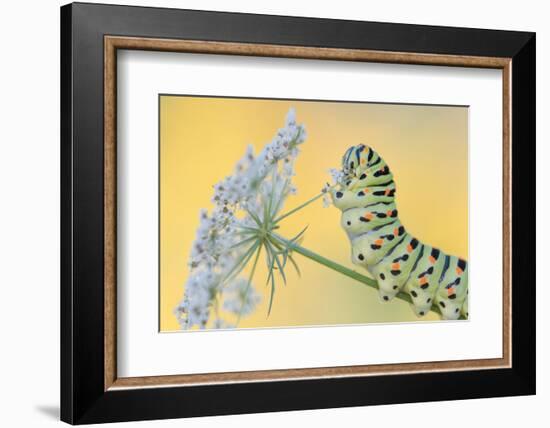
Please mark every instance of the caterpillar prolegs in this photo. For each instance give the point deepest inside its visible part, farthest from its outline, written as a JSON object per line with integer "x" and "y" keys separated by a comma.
{"x": 381, "y": 244}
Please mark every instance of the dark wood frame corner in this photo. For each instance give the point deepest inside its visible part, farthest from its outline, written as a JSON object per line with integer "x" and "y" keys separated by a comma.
{"x": 90, "y": 390}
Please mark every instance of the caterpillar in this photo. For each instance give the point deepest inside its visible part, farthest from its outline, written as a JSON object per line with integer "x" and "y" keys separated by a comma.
{"x": 381, "y": 244}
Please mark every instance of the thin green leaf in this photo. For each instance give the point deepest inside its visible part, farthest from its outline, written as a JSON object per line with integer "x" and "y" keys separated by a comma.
{"x": 246, "y": 241}
{"x": 279, "y": 199}
{"x": 247, "y": 228}
{"x": 266, "y": 214}
{"x": 270, "y": 263}
{"x": 299, "y": 235}
{"x": 288, "y": 256}
{"x": 254, "y": 217}
{"x": 298, "y": 208}
{"x": 272, "y": 193}
{"x": 271, "y": 295}
{"x": 249, "y": 282}
{"x": 239, "y": 265}
{"x": 295, "y": 265}
{"x": 279, "y": 266}
{"x": 284, "y": 254}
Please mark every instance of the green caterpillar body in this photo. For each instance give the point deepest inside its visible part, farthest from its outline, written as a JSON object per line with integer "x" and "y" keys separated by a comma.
{"x": 381, "y": 244}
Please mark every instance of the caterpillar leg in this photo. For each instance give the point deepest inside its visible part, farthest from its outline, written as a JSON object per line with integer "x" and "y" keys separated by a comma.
{"x": 464, "y": 309}
{"x": 424, "y": 280}
{"x": 453, "y": 289}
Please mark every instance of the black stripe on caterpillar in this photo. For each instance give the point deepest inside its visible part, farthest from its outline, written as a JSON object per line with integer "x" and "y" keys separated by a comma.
{"x": 381, "y": 244}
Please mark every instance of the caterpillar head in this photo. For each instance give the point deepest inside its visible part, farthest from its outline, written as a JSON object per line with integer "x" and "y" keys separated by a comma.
{"x": 350, "y": 161}
{"x": 357, "y": 158}
{"x": 363, "y": 168}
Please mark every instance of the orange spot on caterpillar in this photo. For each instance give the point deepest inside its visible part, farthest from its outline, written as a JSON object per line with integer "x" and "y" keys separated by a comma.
{"x": 396, "y": 231}
{"x": 379, "y": 242}
{"x": 368, "y": 216}
{"x": 409, "y": 248}
{"x": 431, "y": 259}
{"x": 423, "y": 280}
{"x": 395, "y": 266}
{"x": 459, "y": 271}
{"x": 450, "y": 291}
{"x": 387, "y": 192}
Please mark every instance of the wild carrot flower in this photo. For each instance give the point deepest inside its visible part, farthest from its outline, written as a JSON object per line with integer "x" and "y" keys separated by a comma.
{"x": 234, "y": 232}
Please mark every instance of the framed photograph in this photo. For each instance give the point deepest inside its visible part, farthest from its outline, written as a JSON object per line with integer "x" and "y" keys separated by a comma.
{"x": 265, "y": 213}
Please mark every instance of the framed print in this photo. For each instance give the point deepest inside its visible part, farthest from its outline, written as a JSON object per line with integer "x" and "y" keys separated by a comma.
{"x": 274, "y": 213}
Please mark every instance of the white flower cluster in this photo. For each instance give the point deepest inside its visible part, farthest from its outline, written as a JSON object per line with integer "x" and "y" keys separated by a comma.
{"x": 240, "y": 298}
{"x": 338, "y": 177}
{"x": 220, "y": 244}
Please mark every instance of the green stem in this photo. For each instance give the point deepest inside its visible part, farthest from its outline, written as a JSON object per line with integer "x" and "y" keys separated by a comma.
{"x": 298, "y": 208}
{"x": 342, "y": 269}
{"x": 327, "y": 262}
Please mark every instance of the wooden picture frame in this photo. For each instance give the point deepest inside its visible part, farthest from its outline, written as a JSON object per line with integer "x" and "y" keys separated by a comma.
{"x": 91, "y": 391}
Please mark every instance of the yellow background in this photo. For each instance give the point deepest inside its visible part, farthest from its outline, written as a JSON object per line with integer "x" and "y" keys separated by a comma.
{"x": 202, "y": 138}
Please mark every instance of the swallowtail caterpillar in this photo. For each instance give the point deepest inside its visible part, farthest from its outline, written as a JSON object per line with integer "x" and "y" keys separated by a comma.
{"x": 382, "y": 245}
